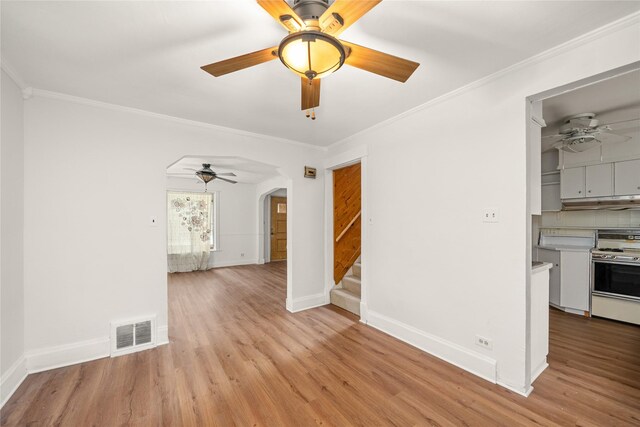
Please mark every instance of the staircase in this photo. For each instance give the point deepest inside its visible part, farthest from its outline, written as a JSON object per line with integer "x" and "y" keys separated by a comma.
{"x": 346, "y": 294}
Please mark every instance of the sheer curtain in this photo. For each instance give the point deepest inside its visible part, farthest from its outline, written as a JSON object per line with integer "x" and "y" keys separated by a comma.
{"x": 189, "y": 231}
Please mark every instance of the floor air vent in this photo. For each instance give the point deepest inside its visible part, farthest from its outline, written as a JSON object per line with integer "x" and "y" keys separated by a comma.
{"x": 132, "y": 335}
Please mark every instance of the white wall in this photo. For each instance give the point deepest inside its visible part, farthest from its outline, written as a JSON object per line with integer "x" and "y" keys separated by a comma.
{"x": 237, "y": 220}
{"x": 90, "y": 255}
{"x": 11, "y": 238}
{"x": 437, "y": 274}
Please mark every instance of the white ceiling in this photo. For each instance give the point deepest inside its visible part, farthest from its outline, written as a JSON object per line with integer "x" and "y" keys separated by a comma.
{"x": 147, "y": 55}
{"x": 613, "y": 100}
{"x": 247, "y": 171}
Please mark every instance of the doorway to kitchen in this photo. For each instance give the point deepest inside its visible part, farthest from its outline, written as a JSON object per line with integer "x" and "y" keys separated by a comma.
{"x": 582, "y": 138}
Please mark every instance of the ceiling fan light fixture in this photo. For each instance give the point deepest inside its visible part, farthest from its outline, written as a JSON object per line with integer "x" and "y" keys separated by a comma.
{"x": 579, "y": 143}
{"x": 206, "y": 174}
{"x": 311, "y": 54}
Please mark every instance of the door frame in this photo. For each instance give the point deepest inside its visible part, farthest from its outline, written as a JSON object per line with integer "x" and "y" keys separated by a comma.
{"x": 529, "y": 100}
{"x": 347, "y": 158}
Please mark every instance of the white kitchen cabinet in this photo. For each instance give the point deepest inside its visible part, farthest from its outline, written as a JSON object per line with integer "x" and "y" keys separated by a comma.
{"x": 627, "y": 177}
{"x": 574, "y": 280}
{"x": 572, "y": 183}
{"x": 551, "y": 198}
{"x": 552, "y": 256}
{"x": 599, "y": 180}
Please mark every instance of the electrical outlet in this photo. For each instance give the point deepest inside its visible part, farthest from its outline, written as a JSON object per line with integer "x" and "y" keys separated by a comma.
{"x": 490, "y": 215}
{"x": 242, "y": 254}
{"x": 484, "y": 342}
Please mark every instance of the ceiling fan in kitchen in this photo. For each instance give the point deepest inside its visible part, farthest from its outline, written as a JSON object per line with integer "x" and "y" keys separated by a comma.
{"x": 583, "y": 132}
{"x": 312, "y": 49}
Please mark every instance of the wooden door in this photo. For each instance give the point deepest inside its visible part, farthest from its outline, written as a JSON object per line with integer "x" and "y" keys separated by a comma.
{"x": 278, "y": 228}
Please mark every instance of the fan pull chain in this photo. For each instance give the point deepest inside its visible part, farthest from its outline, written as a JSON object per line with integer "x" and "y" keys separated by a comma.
{"x": 311, "y": 114}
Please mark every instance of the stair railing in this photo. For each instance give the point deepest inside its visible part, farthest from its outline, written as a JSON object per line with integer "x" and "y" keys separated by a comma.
{"x": 353, "y": 221}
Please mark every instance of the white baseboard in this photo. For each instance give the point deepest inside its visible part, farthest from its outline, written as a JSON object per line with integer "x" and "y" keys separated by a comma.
{"x": 364, "y": 313}
{"x": 162, "y": 335}
{"x": 48, "y": 358}
{"x": 522, "y": 391}
{"x": 11, "y": 380}
{"x": 305, "y": 303}
{"x": 540, "y": 369}
{"x": 476, "y": 363}
{"x": 233, "y": 263}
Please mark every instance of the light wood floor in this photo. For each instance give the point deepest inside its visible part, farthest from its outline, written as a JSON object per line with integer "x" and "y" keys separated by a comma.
{"x": 237, "y": 357}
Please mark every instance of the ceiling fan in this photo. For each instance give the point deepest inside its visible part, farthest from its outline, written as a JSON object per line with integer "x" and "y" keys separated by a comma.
{"x": 583, "y": 132}
{"x": 312, "y": 49}
{"x": 207, "y": 175}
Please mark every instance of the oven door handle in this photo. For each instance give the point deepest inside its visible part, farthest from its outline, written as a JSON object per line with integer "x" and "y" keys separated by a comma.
{"x": 615, "y": 261}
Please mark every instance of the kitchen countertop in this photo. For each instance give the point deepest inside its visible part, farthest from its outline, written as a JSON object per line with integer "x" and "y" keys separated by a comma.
{"x": 566, "y": 248}
{"x": 539, "y": 266}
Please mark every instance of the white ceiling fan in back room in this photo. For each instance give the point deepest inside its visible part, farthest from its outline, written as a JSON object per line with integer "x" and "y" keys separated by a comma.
{"x": 312, "y": 50}
{"x": 583, "y": 132}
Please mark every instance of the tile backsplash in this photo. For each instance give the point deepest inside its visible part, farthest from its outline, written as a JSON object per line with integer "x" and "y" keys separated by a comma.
{"x": 592, "y": 219}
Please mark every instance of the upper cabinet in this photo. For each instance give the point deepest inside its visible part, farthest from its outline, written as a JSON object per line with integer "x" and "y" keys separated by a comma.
{"x": 603, "y": 180}
{"x": 572, "y": 183}
{"x": 627, "y": 178}
{"x": 587, "y": 181}
{"x": 599, "y": 180}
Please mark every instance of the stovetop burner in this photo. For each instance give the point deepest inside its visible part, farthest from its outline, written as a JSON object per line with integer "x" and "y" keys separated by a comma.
{"x": 610, "y": 249}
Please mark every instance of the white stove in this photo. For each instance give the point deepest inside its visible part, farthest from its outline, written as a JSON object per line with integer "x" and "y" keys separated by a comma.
{"x": 615, "y": 275}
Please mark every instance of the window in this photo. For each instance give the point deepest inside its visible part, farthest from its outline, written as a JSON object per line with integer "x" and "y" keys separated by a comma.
{"x": 213, "y": 238}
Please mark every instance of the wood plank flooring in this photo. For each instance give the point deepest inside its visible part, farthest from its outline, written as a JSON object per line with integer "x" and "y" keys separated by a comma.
{"x": 237, "y": 357}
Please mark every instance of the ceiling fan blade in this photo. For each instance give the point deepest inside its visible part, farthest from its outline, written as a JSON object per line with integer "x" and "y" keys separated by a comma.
{"x": 226, "y": 174}
{"x": 228, "y": 180}
{"x": 611, "y": 138}
{"x": 624, "y": 124}
{"x": 343, "y": 13}
{"x": 557, "y": 135}
{"x": 380, "y": 63}
{"x": 227, "y": 66}
{"x": 310, "y": 93}
{"x": 282, "y": 12}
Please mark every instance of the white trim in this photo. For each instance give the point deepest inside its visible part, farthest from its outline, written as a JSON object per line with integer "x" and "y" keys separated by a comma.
{"x": 44, "y": 359}
{"x": 471, "y": 361}
{"x": 540, "y": 369}
{"x": 518, "y": 390}
{"x": 233, "y": 263}
{"x": 163, "y": 335}
{"x": 99, "y": 104}
{"x": 364, "y": 312}
{"x": 305, "y": 303}
{"x": 12, "y": 379}
{"x": 11, "y": 72}
{"x": 611, "y": 27}
{"x": 346, "y": 158}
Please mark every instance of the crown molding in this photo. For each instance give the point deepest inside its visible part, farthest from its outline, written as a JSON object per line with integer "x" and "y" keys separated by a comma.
{"x": 115, "y": 107}
{"x": 612, "y": 27}
{"x": 11, "y": 72}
